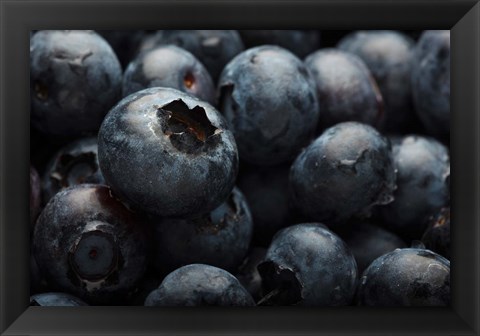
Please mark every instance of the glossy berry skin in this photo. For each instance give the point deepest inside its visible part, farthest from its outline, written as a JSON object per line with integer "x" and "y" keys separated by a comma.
{"x": 343, "y": 173}
{"x": 423, "y": 169}
{"x": 388, "y": 55}
{"x": 187, "y": 155}
{"x": 169, "y": 66}
{"x": 35, "y": 194}
{"x": 437, "y": 236}
{"x": 367, "y": 242}
{"x": 266, "y": 190}
{"x": 406, "y": 277}
{"x": 213, "y": 48}
{"x": 311, "y": 266}
{"x": 56, "y": 300}
{"x": 275, "y": 119}
{"x": 220, "y": 238}
{"x": 75, "y": 163}
{"x": 75, "y": 78}
{"x": 345, "y": 87}
{"x": 431, "y": 81}
{"x": 299, "y": 42}
{"x": 88, "y": 244}
{"x": 199, "y": 285}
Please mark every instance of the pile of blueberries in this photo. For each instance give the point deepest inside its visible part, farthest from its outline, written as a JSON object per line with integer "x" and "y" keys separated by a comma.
{"x": 240, "y": 168}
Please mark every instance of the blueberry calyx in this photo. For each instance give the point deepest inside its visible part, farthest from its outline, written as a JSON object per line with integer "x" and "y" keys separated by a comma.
{"x": 189, "y": 130}
{"x": 280, "y": 283}
{"x": 95, "y": 255}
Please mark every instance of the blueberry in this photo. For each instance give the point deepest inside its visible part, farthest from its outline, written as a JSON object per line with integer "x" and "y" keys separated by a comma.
{"x": 248, "y": 273}
{"x": 308, "y": 265}
{"x": 437, "y": 236}
{"x": 125, "y": 43}
{"x": 167, "y": 153}
{"x": 431, "y": 81}
{"x": 388, "y": 55}
{"x": 214, "y": 48}
{"x": 88, "y": 244}
{"x": 73, "y": 164}
{"x": 300, "y": 42}
{"x": 345, "y": 87}
{"x": 55, "y": 300}
{"x": 343, "y": 173}
{"x": 406, "y": 277}
{"x": 199, "y": 285}
{"x": 75, "y": 78}
{"x": 367, "y": 242}
{"x": 423, "y": 168}
{"x": 35, "y": 194}
{"x": 268, "y": 97}
{"x": 169, "y": 66}
{"x": 220, "y": 238}
{"x": 266, "y": 190}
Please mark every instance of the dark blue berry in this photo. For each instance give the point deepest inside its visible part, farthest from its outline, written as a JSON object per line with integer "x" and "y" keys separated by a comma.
{"x": 431, "y": 81}
{"x": 268, "y": 97}
{"x": 200, "y": 285}
{"x": 406, "y": 277}
{"x": 167, "y": 153}
{"x": 389, "y": 56}
{"x": 343, "y": 173}
{"x": 73, "y": 164}
{"x": 308, "y": 265}
{"x": 169, "y": 66}
{"x": 220, "y": 238}
{"x": 423, "y": 168}
{"x": 75, "y": 78}
{"x": 345, "y": 87}
{"x": 87, "y": 243}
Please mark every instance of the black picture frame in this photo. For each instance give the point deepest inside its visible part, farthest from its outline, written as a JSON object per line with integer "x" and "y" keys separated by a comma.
{"x": 18, "y": 17}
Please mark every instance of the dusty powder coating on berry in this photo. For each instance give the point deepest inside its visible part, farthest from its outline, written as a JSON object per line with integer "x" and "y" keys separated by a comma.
{"x": 423, "y": 169}
{"x": 268, "y": 98}
{"x": 73, "y": 164}
{"x": 220, "y": 238}
{"x": 200, "y": 285}
{"x": 310, "y": 266}
{"x": 169, "y": 66}
{"x": 406, "y": 277}
{"x": 343, "y": 173}
{"x": 388, "y": 55}
{"x": 213, "y": 48}
{"x": 87, "y": 243}
{"x": 345, "y": 87}
{"x": 75, "y": 78}
{"x": 431, "y": 81}
{"x": 167, "y": 153}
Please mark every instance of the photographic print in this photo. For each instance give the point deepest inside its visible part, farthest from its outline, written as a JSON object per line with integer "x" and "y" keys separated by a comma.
{"x": 244, "y": 174}
{"x": 240, "y": 168}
